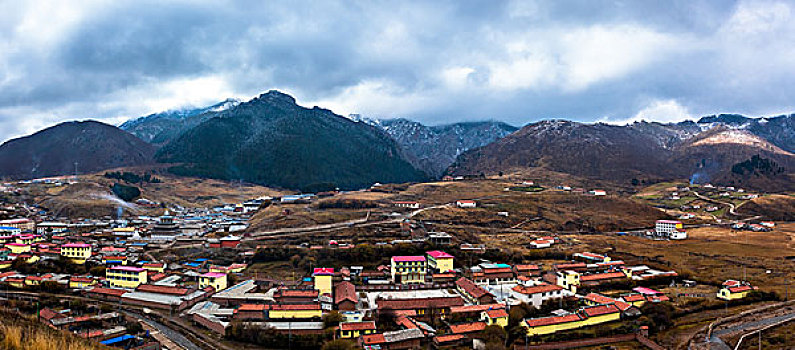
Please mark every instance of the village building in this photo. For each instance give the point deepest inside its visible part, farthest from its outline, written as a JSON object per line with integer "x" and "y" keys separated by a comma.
{"x": 408, "y": 269}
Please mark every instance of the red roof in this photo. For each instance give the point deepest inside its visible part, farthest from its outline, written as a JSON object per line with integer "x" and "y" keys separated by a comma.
{"x": 448, "y": 338}
{"x": 438, "y": 254}
{"x": 467, "y": 327}
{"x": 49, "y": 314}
{"x": 523, "y": 267}
{"x": 497, "y": 313}
{"x": 471, "y": 288}
{"x": 150, "y": 288}
{"x": 372, "y": 339}
{"x": 601, "y": 299}
{"x": 544, "y": 288}
{"x": 357, "y": 326}
{"x": 423, "y": 303}
{"x": 741, "y": 289}
{"x": 546, "y": 321}
{"x": 631, "y": 298}
{"x": 602, "y": 276}
{"x": 408, "y": 258}
{"x": 345, "y": 291}
{"x": 252, "y": 307}
{"x": 295, "y": 307}
{"x": 601, "y": 310}
{"x": 323, "y": 271}
{"x": 475, "y": 308}
{"x": 299, "y": 293}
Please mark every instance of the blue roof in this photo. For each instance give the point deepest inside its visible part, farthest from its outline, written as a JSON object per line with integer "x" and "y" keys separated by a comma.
{"x": 193, "y": 264}
{"x": 8, "y": 228}
{"x": 117, "y": 339}
{"x": 200, "y": 259}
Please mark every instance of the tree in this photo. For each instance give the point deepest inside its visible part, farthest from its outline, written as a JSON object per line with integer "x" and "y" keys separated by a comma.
{"x": 332, "y": 319}
{"x": 494, "y": 334}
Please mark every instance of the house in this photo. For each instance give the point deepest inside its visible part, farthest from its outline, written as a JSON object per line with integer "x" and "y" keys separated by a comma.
{"x": 395, "y": 340}
{"x": 114, "y": 260}
{"x": 296, "y": 296}
{"x": 472, "y": 292}
{"x": 356, "y": 329}
{"x": 536, "y": 295}
{"x": 552, "y": 324}
{"x": 408, "y": 269}
{"x": 594, "y": 299}
{"x": 25, "y": 225}
{"x": 733, "y": 290}
{"x": 406, "y": 204}
{"x": 125, "y": 276}
{"x": 492, "y": 274}
{"x": 79, "y": 282}
{"x": 591, "y": 257}
{"x": 158, "y": 267}
{"x": 542, "y": 243}
{"x": 672, "y": 229}
{"x": 527, "y": 270}
{"x": 18, "y": 248}
{"x": 466, "y": 204}
{"x": 322, "y": 278}
{"x": 597, "y": 192}
{"x": 439, "y": 261}
{"x": 216, "y": 280}
{"x": 345, "y": 297}
{"x": 250, "y": 312}
{"x": 421, "y": 307}
{"x": 78, "y": 252}
{"x": 299, "y": 311}
{"x": 495, "y": 317}
{"x": 468, "y": 329}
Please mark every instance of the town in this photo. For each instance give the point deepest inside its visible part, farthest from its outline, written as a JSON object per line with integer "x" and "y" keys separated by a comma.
{"x": 404, "y": 268}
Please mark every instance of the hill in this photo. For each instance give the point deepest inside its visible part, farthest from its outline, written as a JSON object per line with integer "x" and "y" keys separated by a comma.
{"x": 272, "y": 141}
{"x": 640, "y": 152}
{"x": 434, "y": 148}
{"x": 159, "y": 128}
{"x": 87, "y": 147}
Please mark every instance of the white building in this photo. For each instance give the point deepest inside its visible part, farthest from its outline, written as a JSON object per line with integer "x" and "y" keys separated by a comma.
{"x": 671, "y": 228}
{"x": 466, "y": 204}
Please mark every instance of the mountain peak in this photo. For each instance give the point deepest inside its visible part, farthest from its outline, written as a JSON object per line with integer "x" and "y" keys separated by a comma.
{"x": 276, "y": 96}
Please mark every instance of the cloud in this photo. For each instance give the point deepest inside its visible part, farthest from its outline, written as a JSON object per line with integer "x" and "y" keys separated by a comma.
{"x": 663, "y": 111}
{"x": 437, "y": 62}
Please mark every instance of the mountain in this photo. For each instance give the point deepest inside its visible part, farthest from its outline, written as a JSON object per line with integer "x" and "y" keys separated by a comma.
{"x": 434, "y": 148}
{"x": 703, "y": 151}
{"x": 779, "y": 130}
{"x": 94, "y": 146}
{"x": 162, "y": 127}
{"x": 273, "y": 141}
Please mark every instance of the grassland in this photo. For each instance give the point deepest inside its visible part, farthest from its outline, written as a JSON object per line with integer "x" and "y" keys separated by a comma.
{"x": 21, "y": 333}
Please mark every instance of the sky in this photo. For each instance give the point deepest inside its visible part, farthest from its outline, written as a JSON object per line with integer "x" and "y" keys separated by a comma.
{"x": 435, "y": 62}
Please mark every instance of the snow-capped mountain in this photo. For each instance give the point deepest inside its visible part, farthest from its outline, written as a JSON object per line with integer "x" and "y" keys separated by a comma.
{"x": 158, "y": 127}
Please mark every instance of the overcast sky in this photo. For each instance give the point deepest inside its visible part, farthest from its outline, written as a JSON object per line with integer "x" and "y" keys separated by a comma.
{"x": 433, "y": 61}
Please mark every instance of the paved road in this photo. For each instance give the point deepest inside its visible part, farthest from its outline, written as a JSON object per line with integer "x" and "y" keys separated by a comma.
{"x": 718, "y": 343}
{"x": 169, "y": 333}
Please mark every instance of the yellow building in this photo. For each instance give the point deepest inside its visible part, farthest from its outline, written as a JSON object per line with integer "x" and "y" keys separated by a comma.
{"x": 734, "y": 292}
{"x": 356, "y": 329}
{"x": 124, "y": 231}
{"x": 18, "y": 248}
{"x": 323, "y": 277}
{"x": 568, "y": 279}
{"x": 77, "y": 282}
{"x": 439, "y": 261}
{"x": 29, "y": 239}
{"x": 216, "y": 280}
{"x": 126, "y": 276}
{"x": 157, "y": 267}
{"x": 588, "y": 316}
{"x": 78, "y": 252}
{"x": 6, "y": 264}
{"x": 408, "y": 269}
{"x": 298, "y": 311}
{"x": 495, "y": 317}
{"x": 114, "y": 260}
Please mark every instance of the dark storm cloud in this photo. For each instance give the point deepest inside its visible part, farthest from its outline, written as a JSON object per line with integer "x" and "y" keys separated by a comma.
{"x": 437, "y": 62}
